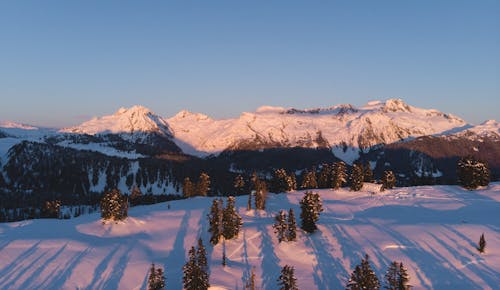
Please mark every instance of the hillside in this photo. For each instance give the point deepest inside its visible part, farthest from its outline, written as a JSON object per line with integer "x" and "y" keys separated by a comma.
{"x": 432, "y": 230}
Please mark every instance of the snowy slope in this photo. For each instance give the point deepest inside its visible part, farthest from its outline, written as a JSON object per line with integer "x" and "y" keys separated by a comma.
{"x": 343, "y": 126}
{"x": 432, "y": 230}
{"x": 488, "y": 129}
{"x": 133, "y": 123}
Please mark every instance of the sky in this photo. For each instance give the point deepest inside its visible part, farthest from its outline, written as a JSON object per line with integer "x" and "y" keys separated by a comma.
{"x": 63, "y": 62}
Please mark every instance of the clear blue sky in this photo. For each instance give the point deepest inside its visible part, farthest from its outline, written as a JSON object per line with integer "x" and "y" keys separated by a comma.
{"x": 62, "y": 62}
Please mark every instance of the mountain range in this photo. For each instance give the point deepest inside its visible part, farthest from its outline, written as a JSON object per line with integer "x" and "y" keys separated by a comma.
{"x": 136, "y": 147}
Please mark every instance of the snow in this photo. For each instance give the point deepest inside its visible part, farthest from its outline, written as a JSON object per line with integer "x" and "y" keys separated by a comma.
{"x": 376, "y": 123}
{"x": 101, "y": 148}
{"x": 433, "y": 230}
{"x": 134, "y": 120}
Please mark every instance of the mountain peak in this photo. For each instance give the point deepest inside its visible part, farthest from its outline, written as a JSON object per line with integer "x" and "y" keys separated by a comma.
{"x": 133, "y": 120}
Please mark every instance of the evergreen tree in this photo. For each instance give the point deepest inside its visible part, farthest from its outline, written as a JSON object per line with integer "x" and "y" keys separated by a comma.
{"x": 187, "y": 188}
{"x": 339, "y": 175}
{"x": 152, "y": 278}
{"x": 280, "y": 181}
{"x": 51, "y": 209}
{"x": 291, "y": 182}
{"x": 114, "y": 206}
{"x": 357, "y": 177}
{"x": 397, "y": 277}
{"x": 388, "y": 180}
{"x": 368, "y": 174}
{"x": 160, "y": 279}
{"x": 239, "y": 185}
{"x": 287, "y": 280}
{"x": 203, "y": 184}
{"x": 250, "y": 284}
{"x": 281, "y": 227}
{"x": 325, "y": 176}
{"x": 224, "y": 258}
{"x": 292, "y": 226}
{"x": 472, "y": 173}
{"x": 195, "y": 271}
{"x": 481, "y": 244}
{"x": 135, "y": 196}
{"x": 309, "y": 180}
{"x": 215, "y": 221}
{"x": 311, "y": 206}
{"x": 363, "y": 277}
{"x": 249, "y": 201}
{"x": 231, "y": 220}
{"x": 260, "y": 194}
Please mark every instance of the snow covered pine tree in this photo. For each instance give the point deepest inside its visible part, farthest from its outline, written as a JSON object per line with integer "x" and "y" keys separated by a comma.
{"x": 363, "y": 277}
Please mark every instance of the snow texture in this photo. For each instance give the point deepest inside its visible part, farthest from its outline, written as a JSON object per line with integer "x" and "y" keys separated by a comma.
{"x": 433, "y": 230}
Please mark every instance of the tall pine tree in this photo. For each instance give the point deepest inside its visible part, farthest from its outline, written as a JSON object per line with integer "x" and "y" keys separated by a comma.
{"x": 357, "y": 177}
{"x": 339, "y": 175}
{"x": 396, "y": 277}
{"x": 363, "y": 277}
{"x": 203, "y": 185}
{"x": 231, "y": 220}
{"x": 287, "y": 280}
{"x": 215, "y": 221}
{"x": 292, "y": 226}
{"x": 311, "y": 207}
{"x": 280, "y": 226}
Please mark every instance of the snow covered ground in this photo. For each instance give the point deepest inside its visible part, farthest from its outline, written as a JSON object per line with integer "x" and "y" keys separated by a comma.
{"x": 433, "y": 230}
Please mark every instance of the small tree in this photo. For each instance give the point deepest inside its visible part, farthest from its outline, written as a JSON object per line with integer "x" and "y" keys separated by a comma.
{"x": 292, "y": 226}
{"x": 325, "y": 176}
{"x": 481, "y": 244}
{"x": 156, "y": 279}
{"x": 311, "y": 207}
{"x": 203, "y": 185}
{"x": 51, "y": 209}
{"x": 472, "y": 173}
{"x": 260, "y": 194}
{"x": 187, "y": 187}
{"x": 231, "y": 220}
{"x": 388, "y": 180}
{"x": 309, "y": 180}
{"x": 357, "y": 177}
{"x": 215, "y": 221}
{"x": 114, "y": 206}
{"x": 287, "y": 280}
{"x": 135, "y": 196}
{"x": 280, "y": 182}
{"x": 250, "y": 284}
{"x": 397, "y": 277}
{"x": 368, "y": 174}
{"x": 281, "y": 227}
{"x": 195, "y": 271}
{"x": 363, "y": 277}
{"x": 239, "y": 185}
{"x": 339, "y": 175}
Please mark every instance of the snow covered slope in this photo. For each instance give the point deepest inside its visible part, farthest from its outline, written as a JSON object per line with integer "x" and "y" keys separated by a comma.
{"x": 432, "y": 230}
{"x": 488, "y": 129}
{"x": 342, "y": 127}
{"x": 133, "y": 123}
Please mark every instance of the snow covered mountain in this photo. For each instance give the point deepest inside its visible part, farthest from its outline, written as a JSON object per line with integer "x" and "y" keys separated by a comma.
{"x": 343, "y": 128}
{"x": 132, "y": 123}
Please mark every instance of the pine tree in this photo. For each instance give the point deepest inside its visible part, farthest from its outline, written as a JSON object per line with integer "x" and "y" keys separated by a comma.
{"x": 250, "y": 284}
{"x": 363, "y": 277}
{"x": 368, "y": 174}
{"x": 195, "y": 271}
{"x": 472, "y": 173}
{"x": 287, "y": 280}
{"x": 311, "y": 206}
{"x": 481, "y": 244}
{"x": 339, "y": 175}
{"x": 388, "y": 180}
{"x": 215, "y": 221}
{"x": 280, "y": 226}
{"x": 356, "y": 177}
{"x": 309, "y": 180}
{"x": 239, "y": 185}
{"x": 292, "y": 226}
{"x": 114, "y": 206}
{"x": 231, "y": 220}
{"x": 203, "y": 185}
{"x": 397, "y": 277}
{"x": 187, "y": 188}
{"x": 224, "y": 258}
{"x": 135, "y": 196}
{"x": 260, "y": 194}
{"x": 325, "y": 176}
{"x": 280, "y": 181}
{"x": 156, "y": 279}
